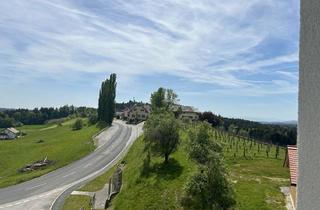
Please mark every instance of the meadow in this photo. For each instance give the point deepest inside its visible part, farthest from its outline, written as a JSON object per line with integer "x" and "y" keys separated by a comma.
{"x": 254, "y": 171}
{"x": 55, "y": 141}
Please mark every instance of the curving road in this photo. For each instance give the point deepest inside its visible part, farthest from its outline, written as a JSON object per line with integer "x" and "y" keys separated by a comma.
{"x": 114, "y": 144}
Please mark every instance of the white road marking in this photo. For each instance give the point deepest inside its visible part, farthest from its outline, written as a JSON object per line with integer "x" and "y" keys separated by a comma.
{"x": 30, "y": 188}
{"x": 86, "y": 166}
{"x": 69, "y": 174}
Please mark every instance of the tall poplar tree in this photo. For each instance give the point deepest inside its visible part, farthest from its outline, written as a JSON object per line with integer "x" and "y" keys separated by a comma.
{"x": 106, "y": 103}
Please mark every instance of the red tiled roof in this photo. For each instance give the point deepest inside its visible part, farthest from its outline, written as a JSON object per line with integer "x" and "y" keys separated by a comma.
{"x": 293, "y": 163}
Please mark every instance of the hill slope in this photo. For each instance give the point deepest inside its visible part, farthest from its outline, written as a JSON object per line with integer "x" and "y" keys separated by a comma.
{"x": 256, "y": 178}
{"x": 59, "y": 143}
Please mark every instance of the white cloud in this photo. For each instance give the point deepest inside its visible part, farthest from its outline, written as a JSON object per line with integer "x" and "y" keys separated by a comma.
{"x": 201, "y": 41}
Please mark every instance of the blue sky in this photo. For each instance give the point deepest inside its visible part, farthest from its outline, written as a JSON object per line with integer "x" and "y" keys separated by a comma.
{"x": 236, "y": 58}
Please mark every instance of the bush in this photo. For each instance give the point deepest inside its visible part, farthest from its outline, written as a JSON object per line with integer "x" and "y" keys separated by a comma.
{"x": 201, "y": 143}
{"x": 93, "y": 119}
{"x": 209, "y": 187}
{"x": 77, "y": 125}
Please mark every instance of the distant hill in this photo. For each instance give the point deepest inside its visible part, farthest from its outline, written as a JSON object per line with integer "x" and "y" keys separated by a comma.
{"x": 4, "y": 109}
{"x": 291, "y": 122}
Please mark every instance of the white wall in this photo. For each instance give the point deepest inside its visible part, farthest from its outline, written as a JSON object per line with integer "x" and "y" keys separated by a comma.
{"x": 309, "y": 107}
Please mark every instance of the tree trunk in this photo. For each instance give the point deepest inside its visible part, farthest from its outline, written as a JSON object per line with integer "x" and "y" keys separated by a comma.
{"x": 166, "y": 158}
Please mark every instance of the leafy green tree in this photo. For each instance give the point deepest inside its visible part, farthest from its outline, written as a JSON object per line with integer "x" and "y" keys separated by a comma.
{"x": 158, "y": 99}
{"x": 201, "y": 143}
{"x": 197, "y": 191}
{"x": 163, "y": 99}
{"x": 102, "y": 101}
{"x": 162, "y": 134}
{"x": 106, "y": 102}
{"x": 171, "y": 98}
{"x": 211, "y": 118}
{"x": 209, "y": 187}
{"x": 78, "y": 124}
{"x": 178, "y": 112}
{"x": 221, "y": 192}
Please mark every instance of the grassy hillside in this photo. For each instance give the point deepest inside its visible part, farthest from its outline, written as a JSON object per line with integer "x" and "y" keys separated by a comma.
{"x": 255, "y": 177}
{"x": 60, "y": 143}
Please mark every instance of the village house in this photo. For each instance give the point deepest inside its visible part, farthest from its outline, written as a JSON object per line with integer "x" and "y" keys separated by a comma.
{"x": 291, "y": 161}
{"x": 186, "y": 113}
{"x": 124, "y": 114}
{"x": 137, "y": 113}
{"x": 9, "y": 133}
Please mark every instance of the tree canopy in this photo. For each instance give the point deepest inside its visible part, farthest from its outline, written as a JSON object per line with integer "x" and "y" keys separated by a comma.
{"x": 163, "y": 99}
{"x": 106, "y": 102}
{"x": 16, "y": 117}
{"x": 208, "y": 188}
{"x": 161, "y": 133}
{"x": 201, "y": 143}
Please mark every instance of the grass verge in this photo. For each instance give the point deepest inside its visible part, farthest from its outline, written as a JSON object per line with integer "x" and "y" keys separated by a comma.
{"x": 74, "y": 201}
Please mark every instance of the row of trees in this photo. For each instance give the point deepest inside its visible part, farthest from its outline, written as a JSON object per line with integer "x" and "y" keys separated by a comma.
{"x": 17, "y": 117}
{"x": 270, "y": 133}
{"x": 106, "y": 103}
{"x": 209, "y": 187}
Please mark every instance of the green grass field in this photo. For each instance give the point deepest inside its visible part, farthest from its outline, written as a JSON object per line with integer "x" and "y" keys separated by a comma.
{"x": 60, "y": 144}
{"x": 80, "y": 200}
{"x": 256, "y": 178}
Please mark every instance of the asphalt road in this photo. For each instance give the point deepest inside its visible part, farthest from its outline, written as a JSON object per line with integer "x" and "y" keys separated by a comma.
{"x": 72, "y": 173}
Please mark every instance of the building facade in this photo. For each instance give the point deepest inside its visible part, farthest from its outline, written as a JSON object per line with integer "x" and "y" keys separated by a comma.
{"x": 137, "y": 113}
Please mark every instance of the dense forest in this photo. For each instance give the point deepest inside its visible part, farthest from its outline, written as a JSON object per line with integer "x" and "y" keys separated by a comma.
{"x": 269, "y": 133}
{"x": 121, "y": 106}
{"x": 18, "y": 117}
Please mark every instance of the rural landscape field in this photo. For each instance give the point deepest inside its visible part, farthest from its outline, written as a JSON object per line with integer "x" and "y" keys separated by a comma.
{"x": 256, "y": 178}
{"x": 55, "y": 141}
{"x": 150, "y": 105}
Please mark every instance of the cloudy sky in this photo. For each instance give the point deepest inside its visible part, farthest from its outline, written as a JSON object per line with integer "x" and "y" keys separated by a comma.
{"x": 238, "y": 58}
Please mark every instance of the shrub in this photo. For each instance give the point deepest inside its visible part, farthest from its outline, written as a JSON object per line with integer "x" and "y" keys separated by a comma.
{"x": 201, "y": 143}
{"x": 78, "y": 124}
{"x": 93, "y": 119}
{"x": 209, "y": 187}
